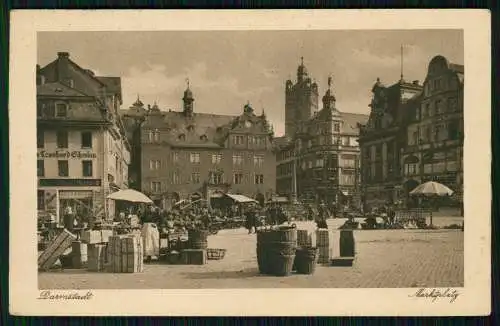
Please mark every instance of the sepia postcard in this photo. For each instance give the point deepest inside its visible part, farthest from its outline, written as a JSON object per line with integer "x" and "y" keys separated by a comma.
{"x": 251, "y": 162}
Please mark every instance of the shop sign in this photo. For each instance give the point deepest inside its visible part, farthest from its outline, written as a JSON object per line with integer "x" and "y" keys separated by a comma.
{"x": 69, "y": 182}
{"x": 66, "y": 154}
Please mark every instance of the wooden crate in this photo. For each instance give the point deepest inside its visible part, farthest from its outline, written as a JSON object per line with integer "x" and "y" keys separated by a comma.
{"x": 96, "y": 257}
{"x": 125, "y": 254}
{"x": 194, "y": 256}
{"x": 79, "y": 254}
{"x": 55, "y": 249}
{"x": 96, "y": 236}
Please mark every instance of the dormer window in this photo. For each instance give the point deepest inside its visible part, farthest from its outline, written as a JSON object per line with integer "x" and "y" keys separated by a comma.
{"x": 182, "y": 137}
{"x": 203, "y": 138}
{"x": 61, "y": 110}
{"x": 190, "y": 128}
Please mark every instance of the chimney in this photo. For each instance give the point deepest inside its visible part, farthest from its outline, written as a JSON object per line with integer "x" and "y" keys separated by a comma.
{"x": 63, "y": 54}
{"x": 416, "y": 82}
{"x": 62, "y": 67}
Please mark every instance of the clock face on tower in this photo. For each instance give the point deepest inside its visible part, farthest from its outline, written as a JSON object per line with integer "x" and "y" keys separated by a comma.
{"x": 248, "y": 124}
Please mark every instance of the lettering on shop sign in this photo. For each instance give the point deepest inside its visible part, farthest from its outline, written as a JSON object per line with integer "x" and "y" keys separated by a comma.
{"x": 73, "y": 295}
{"x": 434, "y": 294}
{"x": 69, "y": 182}
{"x": 66, "y": 154}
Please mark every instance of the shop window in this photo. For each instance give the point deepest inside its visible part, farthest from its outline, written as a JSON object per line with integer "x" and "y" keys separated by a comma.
{"x": 259, "y": 179}
{"x": 40, "y": 168}
{"x": 40, "y": 138}
{"x": 87, "y": 168}
{"x": 40, "y": 199}
{"x": 86, "y": 139}
{"x": 62, "y": 139}
{"x": 61, "y": 110}
{"x": 238, "y": 178}
{"x": 63, "y": 168}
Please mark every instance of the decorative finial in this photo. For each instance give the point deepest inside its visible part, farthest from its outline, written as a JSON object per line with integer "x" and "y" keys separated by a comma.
{"x": 187, "y": 82}
{"x": 329, "y": 81}
{"x": 302, "y": 60}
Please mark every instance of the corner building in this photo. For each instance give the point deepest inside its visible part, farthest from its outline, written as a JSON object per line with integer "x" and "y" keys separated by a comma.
{"x": 189, "y": 155}
{"x": 83, "y": 154}
{"x": 318, "y": 158}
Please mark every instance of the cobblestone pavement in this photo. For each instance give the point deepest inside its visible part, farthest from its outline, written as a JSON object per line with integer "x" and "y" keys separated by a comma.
{"x": 385, "y": 258}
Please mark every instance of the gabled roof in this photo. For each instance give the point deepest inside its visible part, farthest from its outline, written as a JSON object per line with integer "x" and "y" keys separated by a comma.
{"x": 57, "y": 89}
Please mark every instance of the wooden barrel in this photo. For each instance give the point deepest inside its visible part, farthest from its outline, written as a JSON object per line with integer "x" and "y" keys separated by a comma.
{"x": 198, "y": 239}
{"x": 305, "y": 260}
{"x": 262, "y": 251}
{"x": 281, "y": 250}
{"x": 346, "y": 243}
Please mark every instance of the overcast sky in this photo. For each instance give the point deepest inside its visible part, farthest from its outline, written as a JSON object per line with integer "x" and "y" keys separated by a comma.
{"x": 227, "y": 69}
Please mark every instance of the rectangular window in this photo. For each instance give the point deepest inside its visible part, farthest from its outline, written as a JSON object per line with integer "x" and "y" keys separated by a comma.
{"x": 453, "y": 130}
{"x": 336, "y": 127}
{"x": 195, "y": 177}
{"x": 452, "y": 104}
{"x": 319, "y": 163}
{"x": 259, "y": 179}
{"x": 345, "y": 141}
{"x": 238, "y": 140}
{"x": 258, "y": 160}
{"x": 40, "y": 138}
{"x": 86, "y": 139}
{"x": 62, "y": 139}
{"x": 40, "y": 168}
{"x": 63, "y": 168}
{"x": 237, "y": 159}
{"x": 216, "y": 158}
{"x": 216, "y": 178}
{"x": 238, "y": 178}
{"x": 438, "y": 107}
{"x": 154, "y": 164}
{"x": 155, "y": 186}
{"x": 61, "y": 110}
{"x": 194, "y": 158}
{"x": 175, "y": 157}
{"x": 426, "y": 112}
{"x": 87, "y": 168}
{"x": 175, "y": 178}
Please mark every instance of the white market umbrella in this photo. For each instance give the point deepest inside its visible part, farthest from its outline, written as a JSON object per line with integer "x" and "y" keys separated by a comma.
{"x": 432, "y": 188}
{"x": 130, "y": 195}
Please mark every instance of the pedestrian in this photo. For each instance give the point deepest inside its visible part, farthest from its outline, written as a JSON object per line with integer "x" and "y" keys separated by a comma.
{"x": 69, "y": 219}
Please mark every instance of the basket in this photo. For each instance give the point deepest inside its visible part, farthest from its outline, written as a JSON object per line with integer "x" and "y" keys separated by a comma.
{"x": 215, "y": 254}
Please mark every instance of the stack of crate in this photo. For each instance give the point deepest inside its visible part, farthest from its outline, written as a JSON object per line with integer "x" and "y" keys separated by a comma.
{"x": 96, "y": 257}
{"x": 79, "y": 256}
{"x": 55, "y": 249}
{"x": 125, "y": 254}
{"x": 323, "y": 245}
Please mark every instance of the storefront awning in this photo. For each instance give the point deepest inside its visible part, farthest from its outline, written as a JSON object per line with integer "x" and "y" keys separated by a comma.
{"x": 241, "y": 198}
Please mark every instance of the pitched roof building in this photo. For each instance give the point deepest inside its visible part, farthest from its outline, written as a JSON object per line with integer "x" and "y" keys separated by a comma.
{"x": 183, "y": 154}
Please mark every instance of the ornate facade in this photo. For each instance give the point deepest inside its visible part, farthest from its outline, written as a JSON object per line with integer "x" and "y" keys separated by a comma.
{"x": 413, "y": 135}
{"x": 319, "y": 161}
{"x": 188, "y": 155}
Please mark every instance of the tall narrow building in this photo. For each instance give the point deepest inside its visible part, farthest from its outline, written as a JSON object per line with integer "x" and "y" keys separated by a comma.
{"x": 301, "y": 100}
